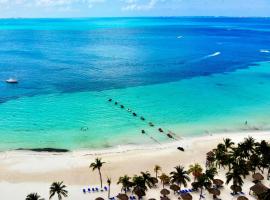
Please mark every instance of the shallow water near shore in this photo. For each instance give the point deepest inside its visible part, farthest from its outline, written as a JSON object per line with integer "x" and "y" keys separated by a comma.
{"x": 198, "y": 106}
{"x": 191, "y": 76}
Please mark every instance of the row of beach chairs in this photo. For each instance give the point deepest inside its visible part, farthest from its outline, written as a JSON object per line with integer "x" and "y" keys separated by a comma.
{"x": 94, "y": 189}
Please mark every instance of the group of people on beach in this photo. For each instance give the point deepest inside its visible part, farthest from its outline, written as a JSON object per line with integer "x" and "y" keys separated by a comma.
{"x": 151, "y": 124}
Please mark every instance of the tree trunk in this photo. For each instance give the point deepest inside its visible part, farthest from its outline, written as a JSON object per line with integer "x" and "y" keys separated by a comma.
{"x": 109, "y": 191}
{"x": 100, "y": 177}
{"x": 156, "y": 174}
{"x": 201, "y": 193}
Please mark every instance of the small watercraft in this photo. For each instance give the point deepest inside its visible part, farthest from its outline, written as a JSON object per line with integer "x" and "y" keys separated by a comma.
{"x": 11, "y": 81}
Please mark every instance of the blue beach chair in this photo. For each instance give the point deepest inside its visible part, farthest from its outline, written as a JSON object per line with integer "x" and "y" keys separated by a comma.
{"x": 89, "y": 189}
{"x": 84, "y": 191}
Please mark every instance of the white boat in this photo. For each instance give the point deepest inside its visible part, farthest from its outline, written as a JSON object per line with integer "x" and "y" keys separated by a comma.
{"x": 11, "y": 80}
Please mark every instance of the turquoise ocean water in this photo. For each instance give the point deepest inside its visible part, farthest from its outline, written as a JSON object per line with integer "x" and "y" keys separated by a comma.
{"x": 189, "y": 76}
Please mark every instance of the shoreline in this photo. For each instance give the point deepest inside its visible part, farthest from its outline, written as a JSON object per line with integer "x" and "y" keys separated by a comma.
{"x": 140, "y": 147}
{"x": 34, "y": 171}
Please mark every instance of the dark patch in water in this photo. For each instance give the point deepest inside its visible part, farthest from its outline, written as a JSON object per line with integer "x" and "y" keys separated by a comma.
{"x": 54, "y": 150}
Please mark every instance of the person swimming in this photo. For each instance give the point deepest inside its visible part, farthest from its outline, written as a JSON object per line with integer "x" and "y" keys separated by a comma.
{"x": 122, "y": 106}
{"x": 143, "y": 131}
{"x": 110, "y": 100}
{"x": 134, "y": 114}
{"x": 116, "y": 103}
{"x": 84, "y": 128}
{"x": 142, "y": 118}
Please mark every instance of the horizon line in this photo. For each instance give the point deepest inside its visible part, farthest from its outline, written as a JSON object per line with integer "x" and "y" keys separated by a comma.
{"x": 89, "y": 17}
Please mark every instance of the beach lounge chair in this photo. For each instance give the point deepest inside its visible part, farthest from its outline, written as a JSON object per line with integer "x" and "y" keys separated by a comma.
{"x": 93, "y": 189}
{"x": 84, "y": 191}
{"x": 97, "y": 189}
{"x": 89, "y": 189}
{"x": 105, "y": 188}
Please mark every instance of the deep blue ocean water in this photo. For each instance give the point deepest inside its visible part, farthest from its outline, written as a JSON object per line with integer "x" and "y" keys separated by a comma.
{"x": 68, "y": 68}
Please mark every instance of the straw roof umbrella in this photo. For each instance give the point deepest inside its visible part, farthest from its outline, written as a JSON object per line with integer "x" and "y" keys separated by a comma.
{"x": 139, "y": 191}
{"x": 259, "y": 188}
{"x": 242, "y": 198}
{"x": 174, "y": 188}
{"x": 214, "y": 191}
{"x": 122, "y": 196}
{"x": 152, "y": 199}
{"x": 99, "y": 198}
{"x": 164, "y": 192}
{"x": 164, "y": 198}
{"x": 257, "y": 177}
{"x": 186, "y": 196}
{"x": 236, "y": 188}
{"x": 218, "y": 182}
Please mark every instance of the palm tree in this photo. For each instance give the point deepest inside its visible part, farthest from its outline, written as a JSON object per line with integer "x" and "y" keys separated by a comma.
{"x": 179, "y": 176}
{"x": 109, "y": 182}
{"x": 228, "y": 143}
{"x": 220, "y": 155}
{"x": 139, "y": 186}
{"x": 196, "y": 170}
{"x": 97, "y": 165}
{"x": 203, "y": 182}
{"x": 157, "y": 168}
{"x": 59, "y": 189}
{"x": 210, "y": 173}
{"x": 148, "y": 179}
{"x": 235, "y": 176}
{"x": 139, "y": 182}
{"x": 165, "y": 179}
{"x": 33, "y": 196}
{"x": 249, "y": 144}
{"x": 126, "y": 183}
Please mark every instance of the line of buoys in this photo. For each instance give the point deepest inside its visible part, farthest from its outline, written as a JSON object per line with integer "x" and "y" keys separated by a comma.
{"x": 169, "y": 134}
{"x": 161, "y": 130}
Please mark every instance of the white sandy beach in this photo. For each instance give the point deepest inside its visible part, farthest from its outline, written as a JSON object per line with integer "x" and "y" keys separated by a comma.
{"x": 22, "y": 173}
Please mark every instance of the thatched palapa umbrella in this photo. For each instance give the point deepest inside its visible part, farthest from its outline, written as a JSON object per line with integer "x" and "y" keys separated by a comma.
{"x": 99, "y": 198}
{"x": 242, "y": 198}
{"x": 214, "y": 191}
{"x": 164, "y": 198}
{"x": 218, "y": 182}
{"x": 122, "y": 196}
{"x": 152, "y": 199}
{"x": 186, "y": 196}
{"x": 174, "y": 188}
{"x": 139, "y": 192}
{"x": 165, "y": 192}
{"x": 257, "y": 177}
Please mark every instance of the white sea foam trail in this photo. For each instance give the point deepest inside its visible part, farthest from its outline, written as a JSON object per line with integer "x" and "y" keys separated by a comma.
{"x": 180, "y": 36}
{"x": 264, "y": 51}
{"x": 213, "y": 55}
